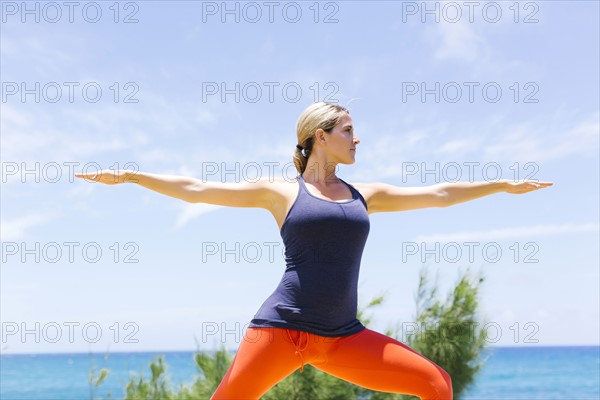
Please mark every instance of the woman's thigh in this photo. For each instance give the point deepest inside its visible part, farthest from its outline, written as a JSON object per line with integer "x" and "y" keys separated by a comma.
{"x": 264, "y": 358}
{"x": 381, "y": 363}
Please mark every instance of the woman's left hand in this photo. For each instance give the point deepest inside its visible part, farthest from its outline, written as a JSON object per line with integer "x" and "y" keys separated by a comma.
{"x": 520, "y": 187}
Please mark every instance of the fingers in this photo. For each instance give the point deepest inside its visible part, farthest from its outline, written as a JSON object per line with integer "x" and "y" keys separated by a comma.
{"x": 540, "y": 185}
{"x": 527, "y": 186}
{"x": 544, "y": 184}
{"x": 104, "y": 176}
{"x": 88, "y": 176}
{"x": 96, "y": 176}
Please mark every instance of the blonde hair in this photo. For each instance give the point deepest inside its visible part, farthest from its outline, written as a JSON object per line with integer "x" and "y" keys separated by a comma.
{"x": 318, "y": 115}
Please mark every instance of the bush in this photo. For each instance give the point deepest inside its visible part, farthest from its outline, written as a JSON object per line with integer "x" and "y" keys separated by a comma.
{"x": 449, "y": 334}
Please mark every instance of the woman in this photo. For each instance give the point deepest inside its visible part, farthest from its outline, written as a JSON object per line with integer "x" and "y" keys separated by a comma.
{"x": 310, "y": 318}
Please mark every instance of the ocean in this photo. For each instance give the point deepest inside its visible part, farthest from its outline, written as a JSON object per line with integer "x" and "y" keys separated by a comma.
{"x": 515, "y": 373}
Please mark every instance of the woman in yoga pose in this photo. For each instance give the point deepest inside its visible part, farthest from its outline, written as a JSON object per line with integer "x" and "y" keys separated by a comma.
{"x": 310, "y": 318}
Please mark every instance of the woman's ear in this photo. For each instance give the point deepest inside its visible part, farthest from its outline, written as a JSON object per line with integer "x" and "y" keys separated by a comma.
{"x": 320, "y": 136}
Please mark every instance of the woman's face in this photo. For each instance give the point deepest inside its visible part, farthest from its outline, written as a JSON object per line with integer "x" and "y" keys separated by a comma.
{"x": 341, "y": 141}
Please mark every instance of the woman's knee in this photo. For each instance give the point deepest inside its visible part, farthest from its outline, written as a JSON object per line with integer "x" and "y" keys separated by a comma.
{"x": 443, "y": 385}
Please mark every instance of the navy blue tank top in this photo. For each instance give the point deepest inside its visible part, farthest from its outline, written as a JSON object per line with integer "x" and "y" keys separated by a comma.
{"x": 324, "y": 242}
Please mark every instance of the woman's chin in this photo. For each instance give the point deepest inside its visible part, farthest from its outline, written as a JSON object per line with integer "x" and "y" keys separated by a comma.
{"x": 350, "y": 159}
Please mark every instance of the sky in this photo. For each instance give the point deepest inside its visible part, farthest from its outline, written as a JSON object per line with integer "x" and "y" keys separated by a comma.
{"x": 437, "y": 91}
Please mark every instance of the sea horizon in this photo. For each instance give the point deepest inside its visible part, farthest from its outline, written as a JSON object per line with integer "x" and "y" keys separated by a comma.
{"x": 527, "y": 346}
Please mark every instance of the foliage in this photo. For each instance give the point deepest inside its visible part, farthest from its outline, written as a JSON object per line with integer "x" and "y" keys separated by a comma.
{"x": 156, "y": 389}
{"x": 449, "y": 333}
{"x": 95, "y": 381}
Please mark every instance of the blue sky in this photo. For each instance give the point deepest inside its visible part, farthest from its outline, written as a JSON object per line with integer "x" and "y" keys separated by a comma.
{"x": 538, "y": 116}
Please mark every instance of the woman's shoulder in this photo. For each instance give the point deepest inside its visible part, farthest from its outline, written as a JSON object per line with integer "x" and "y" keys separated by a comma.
{"x": 278, "y": 185}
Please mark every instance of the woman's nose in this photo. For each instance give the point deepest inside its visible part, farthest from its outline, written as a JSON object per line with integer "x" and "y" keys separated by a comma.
{"x": 356, "y": 140}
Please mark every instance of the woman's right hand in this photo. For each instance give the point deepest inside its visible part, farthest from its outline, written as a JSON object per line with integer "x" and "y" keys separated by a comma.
{"x": 109, "y": 176}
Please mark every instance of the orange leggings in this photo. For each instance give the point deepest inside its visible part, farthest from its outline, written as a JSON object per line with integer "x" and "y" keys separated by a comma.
{"x": 367, "y": 358}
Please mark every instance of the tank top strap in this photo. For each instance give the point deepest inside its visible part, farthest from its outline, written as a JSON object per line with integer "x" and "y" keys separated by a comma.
{"x": 355, "y": 193}
{"x": 300, "y": 180}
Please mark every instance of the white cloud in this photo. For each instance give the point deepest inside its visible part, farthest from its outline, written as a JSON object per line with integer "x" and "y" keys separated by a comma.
{"x": 456, "y": 148}
{"x": 16, "y": 229}
{"x": 12, "y": 117}
{"x": 40, "y": 51}
{"x": 531, "y": 141}
{"x": 205, "y": 117}
{"x": 459, "y": 41}
{"x": 547, "y": 142}
{"x": 73, "y": 141}
{"x": 190, "y": 211}
{"x": 77, "y": 133}
{"x": 83, "y": 190}
{"x": 509, "y": 233}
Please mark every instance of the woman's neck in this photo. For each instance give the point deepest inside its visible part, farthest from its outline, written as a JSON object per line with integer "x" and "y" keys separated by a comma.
{"x": 320, "y": 172}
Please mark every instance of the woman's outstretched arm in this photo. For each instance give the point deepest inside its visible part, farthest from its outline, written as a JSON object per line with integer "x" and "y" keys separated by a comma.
{"x": 383, "y": 197}
{"x": 192, "y": 190}
{"x": 460, "y": 192}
